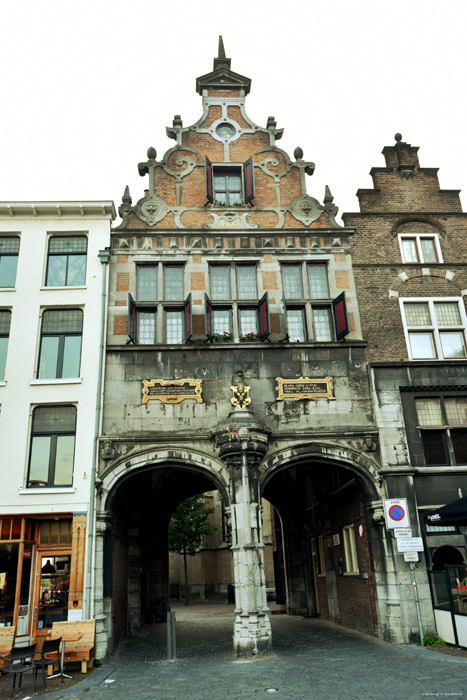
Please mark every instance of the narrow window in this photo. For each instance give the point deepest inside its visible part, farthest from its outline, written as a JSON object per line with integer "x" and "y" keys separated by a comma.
{"x": 174, "y": 326}
{"x": 221, "y": 321}
{"x": 292, "y": 281}
{"x": 5, "y": 322}
{"x": 60, "y": 350}
{"x": 318, "y": 281}
{"x": 52, "y": 446}
{"x": 220, "y": 282}
{"x": 350, "y": 550}
{"x": 246, "y": 282}
{"x": 66, "y": 261}
{"x": 322, "y": 324}
{"x": 248, "y": 320}
{"x": 228, "y": 185}
{"x": 296, "y": 325}
{"x": 146, "y": 283}
{"x": 146, "y": 327}
{"x": 173, "y": 283}
{"x": 9, "y": 250}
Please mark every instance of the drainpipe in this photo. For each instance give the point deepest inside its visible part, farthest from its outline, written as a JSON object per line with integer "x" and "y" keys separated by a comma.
{"x": 104, "y": 257}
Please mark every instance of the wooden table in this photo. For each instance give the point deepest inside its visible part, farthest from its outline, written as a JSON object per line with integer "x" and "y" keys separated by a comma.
{"x": 71, "y": 637}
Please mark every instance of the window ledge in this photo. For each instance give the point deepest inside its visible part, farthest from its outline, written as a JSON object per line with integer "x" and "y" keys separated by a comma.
{"x": 7, "y": 289}
{"x": 48, "y": 289}
{"x": 41, "y": 382}
{"x": 47, "y": 489}
{"x": 2, "y": 383}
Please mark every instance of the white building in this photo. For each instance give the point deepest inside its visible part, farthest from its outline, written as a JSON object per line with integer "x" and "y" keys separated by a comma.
{"x": 53, "y": 293}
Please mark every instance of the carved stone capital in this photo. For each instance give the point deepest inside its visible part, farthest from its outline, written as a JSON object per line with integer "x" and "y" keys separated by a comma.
{"x": 377, "y": 512}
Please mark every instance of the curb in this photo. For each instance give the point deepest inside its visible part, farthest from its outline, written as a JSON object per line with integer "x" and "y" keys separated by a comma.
{"x": 423, "y": 651}
{"x": 93, "y": 680}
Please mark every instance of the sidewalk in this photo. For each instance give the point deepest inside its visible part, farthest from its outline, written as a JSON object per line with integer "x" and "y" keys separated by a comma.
{"x": 312, "y": 659}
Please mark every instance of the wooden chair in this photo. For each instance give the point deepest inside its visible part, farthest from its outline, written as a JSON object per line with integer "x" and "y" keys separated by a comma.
{"x": 7, "y": 639}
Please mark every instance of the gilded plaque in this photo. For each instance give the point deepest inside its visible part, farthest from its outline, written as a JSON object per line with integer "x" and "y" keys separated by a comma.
{"x": 172, "y": 391}
{"x": 304, "y": 388}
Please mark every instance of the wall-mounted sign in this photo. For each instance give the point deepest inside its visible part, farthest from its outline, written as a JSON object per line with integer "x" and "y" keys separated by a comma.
{"x": 304, "y": 388}
{"x": 409, "y": 544}
{"x": 172, "y": 391}
{"x": 336, "y": 540}
{"x": 396, "y": 513}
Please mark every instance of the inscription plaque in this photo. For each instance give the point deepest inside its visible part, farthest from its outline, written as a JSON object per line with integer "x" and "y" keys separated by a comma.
{"x": 304, "y": 388}
{"x": 172, "y": 391}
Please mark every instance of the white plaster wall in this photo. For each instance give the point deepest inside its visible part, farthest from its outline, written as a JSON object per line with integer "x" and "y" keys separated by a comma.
{"x": 18, "y": 394}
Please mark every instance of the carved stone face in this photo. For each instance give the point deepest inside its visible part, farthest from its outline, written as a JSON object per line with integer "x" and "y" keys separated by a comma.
{"x": 151, "y": 209}
{"x": 306, "y": 209}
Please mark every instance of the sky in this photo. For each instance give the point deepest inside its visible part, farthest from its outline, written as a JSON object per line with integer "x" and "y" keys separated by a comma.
{"x": 88, "y": 86}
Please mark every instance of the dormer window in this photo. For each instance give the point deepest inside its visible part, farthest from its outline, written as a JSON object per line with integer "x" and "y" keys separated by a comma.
{"x": 230, "y": 185}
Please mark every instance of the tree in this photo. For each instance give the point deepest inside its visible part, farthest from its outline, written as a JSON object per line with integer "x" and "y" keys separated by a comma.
{"x": 188, "y": 524}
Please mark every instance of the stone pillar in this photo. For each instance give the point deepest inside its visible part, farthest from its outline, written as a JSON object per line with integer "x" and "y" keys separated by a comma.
{"x": 102, "y": 603}
{"x": 242, "y": 444}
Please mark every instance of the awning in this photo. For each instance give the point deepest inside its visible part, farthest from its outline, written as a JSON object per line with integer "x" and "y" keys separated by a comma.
{"x": 454, "y": 513}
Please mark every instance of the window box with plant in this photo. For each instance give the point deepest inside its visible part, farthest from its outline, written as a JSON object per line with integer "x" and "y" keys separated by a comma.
{"x": 222, "y": 337}
{"x": 250, "y": 338}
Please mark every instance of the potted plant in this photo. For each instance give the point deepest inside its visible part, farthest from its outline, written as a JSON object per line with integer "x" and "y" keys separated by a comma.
{"x": 250, "y": 338}
{"x": 222, "y": 337}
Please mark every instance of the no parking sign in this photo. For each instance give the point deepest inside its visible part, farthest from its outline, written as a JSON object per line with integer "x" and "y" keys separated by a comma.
{"x": 396, "y": 513}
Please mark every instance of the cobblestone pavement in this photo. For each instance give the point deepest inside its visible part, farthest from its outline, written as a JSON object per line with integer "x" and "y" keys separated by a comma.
{"x": 312, "y": 659}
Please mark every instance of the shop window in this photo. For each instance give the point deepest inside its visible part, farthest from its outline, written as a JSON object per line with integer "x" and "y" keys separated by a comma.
{"x": 5, "y": 322}
{"x": 9, "y": 251}
{"x": 229, "y": 185}
{"x": 302, "y": 284}
{"x": 52, "y": 446}
{"x": 66, "y": 261}
{"x": 350, "y": 550}
{"x": 60, "y": 350}
{"x": 420, "y": 248}
{"x": 434, "y": 328}
{"x": 442, "y": 423}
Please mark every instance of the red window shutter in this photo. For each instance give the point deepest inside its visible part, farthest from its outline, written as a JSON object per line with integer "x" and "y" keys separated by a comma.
{"x": 263, "y": 315}
{"x": 208, "y": 179}
{"x": 249, "y": 180}
{"x": 187, "y": 319}
{"x": 341, "y": 322}
{"x": 208, "y": 316}
{"x": 132, "y": 320}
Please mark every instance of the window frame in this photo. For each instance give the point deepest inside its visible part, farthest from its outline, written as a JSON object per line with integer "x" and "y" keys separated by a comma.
{"x": 52, "y": 458}
{"x": 434, "y": 329}
{"x": 418, "y": 237}
{"x": 247, "y": 181}
{"x": 350, "y": 550}
{"x": 10, "y": 255}
{"x": 61, "y": 344}
{"x": 55, "y": 236}
{"x": 309, "y": 302}
{"x": 5, "y": 334}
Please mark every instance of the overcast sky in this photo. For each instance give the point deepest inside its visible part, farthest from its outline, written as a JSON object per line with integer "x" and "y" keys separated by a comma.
{"x": 88, "y": 86}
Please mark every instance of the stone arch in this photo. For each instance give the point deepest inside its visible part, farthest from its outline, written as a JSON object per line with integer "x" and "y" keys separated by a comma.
{"x": 347, "y": 458}
{"x": 191, "y": 460}
{"x": 398, "y": 283}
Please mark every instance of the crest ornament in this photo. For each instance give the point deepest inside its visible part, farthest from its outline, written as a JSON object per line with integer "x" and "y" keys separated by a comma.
{"x": 241, "y": 396}
{"x": 151, "y": 209}
{"x": 306, "y": 209}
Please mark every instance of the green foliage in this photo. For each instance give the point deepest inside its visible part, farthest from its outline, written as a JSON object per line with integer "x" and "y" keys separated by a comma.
{"x": 433, "y": 640}
{"x": 188, "y": 524}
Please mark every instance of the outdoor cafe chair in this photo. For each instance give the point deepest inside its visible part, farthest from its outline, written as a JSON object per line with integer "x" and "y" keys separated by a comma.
{"x": 50, "y": 647}
{"x": 19, "y": 661}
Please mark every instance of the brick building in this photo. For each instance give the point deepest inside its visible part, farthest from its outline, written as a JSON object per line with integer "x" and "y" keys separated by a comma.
{"x": 410, "y": 266}
{"x": 236, "y": 362}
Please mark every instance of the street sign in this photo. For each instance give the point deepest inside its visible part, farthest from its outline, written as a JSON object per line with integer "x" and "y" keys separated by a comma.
{"x": 409, "y": 544}
{"x": 411, "y": 556}
{"x": 396, "y": 513}
{"x": 402, "y": 532}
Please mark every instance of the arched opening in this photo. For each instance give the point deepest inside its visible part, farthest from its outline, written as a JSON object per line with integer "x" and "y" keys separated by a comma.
{"x": 136, "y": 584}
{"x": 323, "y": 541}
{"x": 446, "y": 555}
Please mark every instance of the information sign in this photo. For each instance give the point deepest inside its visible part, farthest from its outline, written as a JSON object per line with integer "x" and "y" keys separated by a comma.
{"x": 411, "y": 556}
{"x": 409, "y": 544}
{"x": 396, "y": 513}
{"x": 402, "y": 532}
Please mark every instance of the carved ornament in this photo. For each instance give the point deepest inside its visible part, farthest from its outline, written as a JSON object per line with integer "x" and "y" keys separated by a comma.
{"x": 306, "y": 209}
{"x": 241, "y": 396}
{"x": 151, "y": 209}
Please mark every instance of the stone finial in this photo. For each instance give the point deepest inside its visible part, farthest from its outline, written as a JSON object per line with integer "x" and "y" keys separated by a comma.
{"x": 177, "y": 121}
{"x": 151, "y": 153}
{"x": 271, "y": 123}
{"x": 221, "y": 50}
{"x": 298, "y": 153}
{"x": 126, "y": 199}
{"x": 328, "y": 197}
{"x": 125, "y": 207}
{"x": 398, "y": 137}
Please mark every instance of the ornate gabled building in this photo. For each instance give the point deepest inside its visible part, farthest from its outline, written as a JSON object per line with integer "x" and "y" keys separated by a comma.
{"x": 235, "y": 361}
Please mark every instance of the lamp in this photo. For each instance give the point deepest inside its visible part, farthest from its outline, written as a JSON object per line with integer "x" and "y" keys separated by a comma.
{"x": 48, "y": 568}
